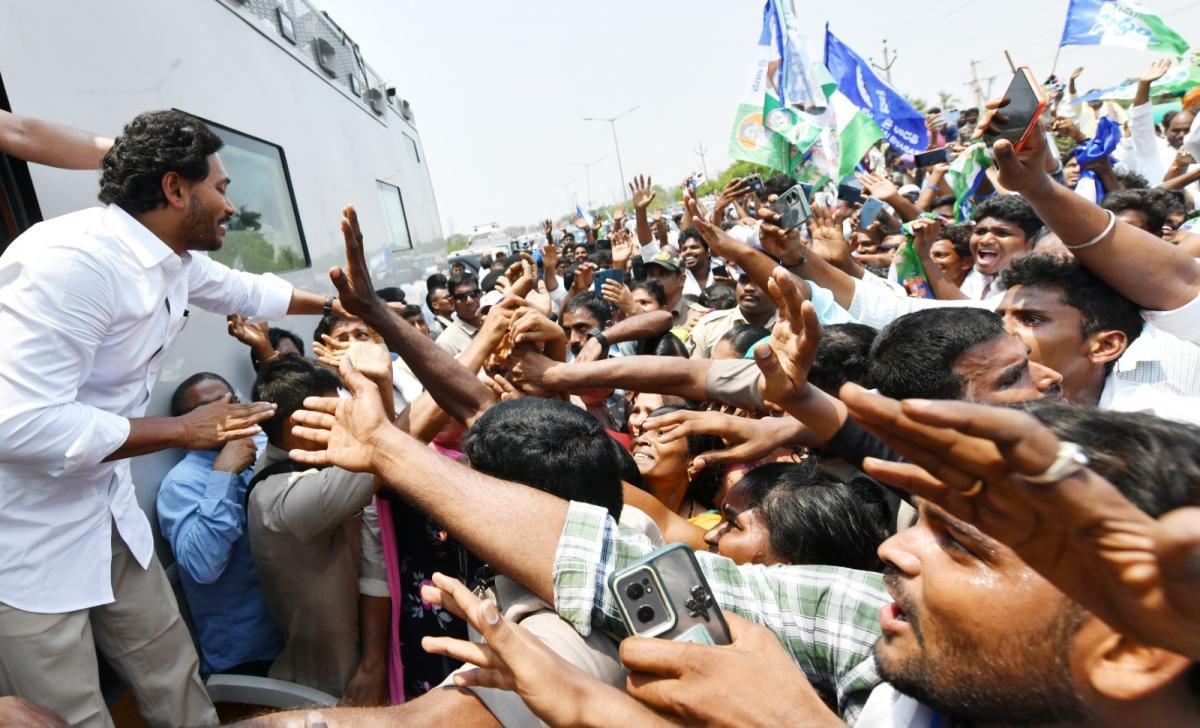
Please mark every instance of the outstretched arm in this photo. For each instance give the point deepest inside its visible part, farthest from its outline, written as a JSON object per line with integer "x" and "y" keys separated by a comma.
{"x": 42, "y": 142}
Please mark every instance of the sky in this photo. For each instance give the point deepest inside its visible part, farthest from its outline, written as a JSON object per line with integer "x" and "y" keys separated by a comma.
{"x": 500, "y": 90}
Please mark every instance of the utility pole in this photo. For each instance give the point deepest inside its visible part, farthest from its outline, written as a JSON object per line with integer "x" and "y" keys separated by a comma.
{"x": 612, "y": 121}
{"x": 700, "y": 151}
{"x": 887, "y": 63}
{"x": 587, "y": 172}
{"x": 981, "y": 96}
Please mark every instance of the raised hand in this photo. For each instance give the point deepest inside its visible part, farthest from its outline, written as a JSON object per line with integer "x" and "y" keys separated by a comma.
{"x": 522, "y": 276}
{"x": 622, "y": 249}
{"x": 350, "y": 429}
{"x": 618, "y": 214}
{"x": 786, "y": 360}
{"x": 254, "y": 336}
{"x": 1065, "y": 127}
{"x": 548, "y": 229}
{"x": 786, "y": 245}
{"x": 585, "y": 276}
{"x": 1025, "y": 171}
{"x": 825, "y": 229}
{"x": 926, "y": 231}
{"x": 1139, "y": 575}
{"x": 530, "y": 326}
{"x": 619, "y": 295}
{"x": 212, "y": 425}
{"x": 1157, "y": 70}
{"x": 353, "y": 282}
{"x": 550, "y": 258}
{"x": 643, "y": 193}
{"x": 746, "y": 439}
{"x": 878, "y": 186}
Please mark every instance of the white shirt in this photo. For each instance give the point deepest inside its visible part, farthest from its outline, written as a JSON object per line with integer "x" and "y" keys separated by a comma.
{"x": 979, "y": 287}
{"x": 89, "y": 303}
{"x": 1123, "y": 396}
{"x": 1183, "y": 322}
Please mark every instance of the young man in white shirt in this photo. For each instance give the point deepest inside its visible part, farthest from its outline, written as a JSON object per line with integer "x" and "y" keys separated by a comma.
{"x": 89, "y": 303}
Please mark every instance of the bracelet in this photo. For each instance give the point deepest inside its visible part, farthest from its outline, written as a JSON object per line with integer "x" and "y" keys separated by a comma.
{"x": 1112, "y": 223}
{"x": 328, "y": 309}
{"x": 1070, "y": 460}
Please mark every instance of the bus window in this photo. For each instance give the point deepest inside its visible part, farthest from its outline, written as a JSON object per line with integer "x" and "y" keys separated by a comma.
{"x": 393, "y": 215}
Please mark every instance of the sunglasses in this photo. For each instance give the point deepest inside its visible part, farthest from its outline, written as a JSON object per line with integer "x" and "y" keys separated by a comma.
{"x": 467, "y": 296}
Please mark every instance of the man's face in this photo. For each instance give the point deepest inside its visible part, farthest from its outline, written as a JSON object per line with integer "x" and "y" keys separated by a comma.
{"x": 1178, "y": 128}
{"x": 418, "y": 322}
{"x": 740, "y": 535}
{"x": 1071, "y": 172}
{"x": 578, "y": 323}
{"x": 441, "y": 303}
{"x": 208, "y": 209}
{"x": 973, "y": 631}
{"x": 752, "y": 302}
{"x": 579, "y": 253}
{"x": 1052, "y": 330}
{"x": 202, "y": 393}
{"x": 947, "y": 259}
{"x": 695, "y": 255}
{"x": 671, "y": 281}
{"x": 466, "y": 301}
{"x": 999, "y": 371}
{"x": 1138, "y": 219}
{"x": 348, "y": 332}
{"x": 994, "y": 242}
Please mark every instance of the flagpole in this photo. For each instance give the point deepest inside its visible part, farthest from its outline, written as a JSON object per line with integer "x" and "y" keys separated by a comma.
{"x": 1056, "y": 55}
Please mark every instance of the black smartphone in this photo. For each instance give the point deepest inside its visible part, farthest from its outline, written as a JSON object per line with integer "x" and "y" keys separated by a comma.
{"x": 808, "y": 189}
{"x": 756, "y": 183}
{"x": 850, "y": 193}
{"x": 792, "y": 208}
{"x": 932, "y": 157}
{"x": 1016, "y": 120}
{"x": 610, "y": 274}
{"x": 666, "y": 595}
{"x": 720, "y": 271}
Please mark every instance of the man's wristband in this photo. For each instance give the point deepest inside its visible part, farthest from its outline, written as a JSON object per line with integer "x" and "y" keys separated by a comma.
{"x": 599, "y": 336}
{"x": 328, "y": 308}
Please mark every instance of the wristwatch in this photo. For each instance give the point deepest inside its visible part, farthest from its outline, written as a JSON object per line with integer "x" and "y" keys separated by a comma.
{"x": 598, "y": 335}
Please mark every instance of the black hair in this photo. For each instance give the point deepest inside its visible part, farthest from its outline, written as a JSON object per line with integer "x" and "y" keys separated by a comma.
{"x": 462, "y": 279}
{"x": 391, "y": 294}
{"x": 777, "y": 185}
{"x": 489, "y": 281}
{"x": 743, "y": 336}
{"x": 411, "y": 310}
{"x": 691, "y": 233}
{"x": 1010, "y": 208}
{"x": 654, "y": 288}
{"x": 1170, "y": 201}
{"x": 667, "y": 344}
{"x": 704, "y": 484}
{"x": 914, "y": 355}
{"x": 1130, "y": 180}
{"x": 276, "y": 335}
{"x": 436, "y": 280}
{"x": 843, "y": 355}
{"x": 549, "y": 445}
{"x": 326, "y": 325}
{"x": 153, "y": 144}
{"x": 1100, "y": 307}
{"x": 812, "y": 517}
{"x": 181, "y": 391}
{"x": 960, "y": 237}
{"x": 602, "y": 259}
{"x": 943, "y": 201}
{"x": 719, "y": 296}
{"x": 433, "y": 290}
{"x": 1137, "y": 200}
{"x": 285, "y": 383}
{"x": 600, "y": 309}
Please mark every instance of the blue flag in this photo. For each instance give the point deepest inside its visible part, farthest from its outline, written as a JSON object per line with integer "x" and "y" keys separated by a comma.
{"x": 902, "y": 125}
{"x": 1119, "y": 23}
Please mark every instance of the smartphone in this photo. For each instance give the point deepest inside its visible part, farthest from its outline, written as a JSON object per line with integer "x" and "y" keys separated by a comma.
{"x": 609, "y": 274}
{"x": 691, "y": 184}
{"x": 870, "y": 211}
{"x": 792, "y": 208}
{"x": 951, "y": 117}
{"x": 849, "y": 193}
{"x": 808, "y": 190}
{"x": 720, "y": 271}
{"x": 756, "y": 183}
{"x": 666, "y": 595}
{"x": 932, "y": 157}
{"x": 1017, "y": 119}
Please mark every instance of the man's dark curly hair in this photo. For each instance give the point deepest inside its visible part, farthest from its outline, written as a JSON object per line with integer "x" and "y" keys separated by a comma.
{"x": 153, "y": 144}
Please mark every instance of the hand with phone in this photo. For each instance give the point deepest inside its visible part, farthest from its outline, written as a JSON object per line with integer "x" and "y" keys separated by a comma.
{"x": 1016, "y": 119}
{"x": 1026, "y": 170}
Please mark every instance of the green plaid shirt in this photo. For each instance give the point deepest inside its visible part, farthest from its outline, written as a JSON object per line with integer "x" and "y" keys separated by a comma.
{"x": 827, "y": 617}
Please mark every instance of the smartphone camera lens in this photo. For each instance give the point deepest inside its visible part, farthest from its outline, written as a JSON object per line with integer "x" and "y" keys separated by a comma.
{"x": 635, "y": 592}
{"x": 645, "y": 614}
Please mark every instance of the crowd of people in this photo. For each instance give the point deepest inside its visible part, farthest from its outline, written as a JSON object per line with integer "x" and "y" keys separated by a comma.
{"x": 971, "y": 501}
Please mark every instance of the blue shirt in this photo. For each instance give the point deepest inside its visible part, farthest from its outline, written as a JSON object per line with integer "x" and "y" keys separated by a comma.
{"x": 202, "y": 514}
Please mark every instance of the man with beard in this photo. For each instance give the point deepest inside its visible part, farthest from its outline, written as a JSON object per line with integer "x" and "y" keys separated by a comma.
{"x": 89, "y": 303}
{"x": 754, "y": 307}
{"x": 697, "y": 261}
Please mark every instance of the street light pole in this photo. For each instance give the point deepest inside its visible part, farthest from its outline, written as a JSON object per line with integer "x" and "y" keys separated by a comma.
{"x": 612, "y": 121}
{"x": 587, "y": 172}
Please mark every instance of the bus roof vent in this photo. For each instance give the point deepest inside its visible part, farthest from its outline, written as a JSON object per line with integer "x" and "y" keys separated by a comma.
{"x": 375, "y": 99}
{"x": 326, "y": 55}
{"x": 406, "y": 110}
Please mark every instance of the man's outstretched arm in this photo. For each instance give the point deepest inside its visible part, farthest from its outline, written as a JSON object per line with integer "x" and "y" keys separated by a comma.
{"x": 43, "y": 142}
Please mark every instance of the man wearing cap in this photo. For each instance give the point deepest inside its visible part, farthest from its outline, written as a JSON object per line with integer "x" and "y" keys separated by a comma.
{"x": 665, "y": 268}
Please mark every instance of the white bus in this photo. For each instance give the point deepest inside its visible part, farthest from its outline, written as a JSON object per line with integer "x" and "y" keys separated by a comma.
{"x": 308, "y": 127}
